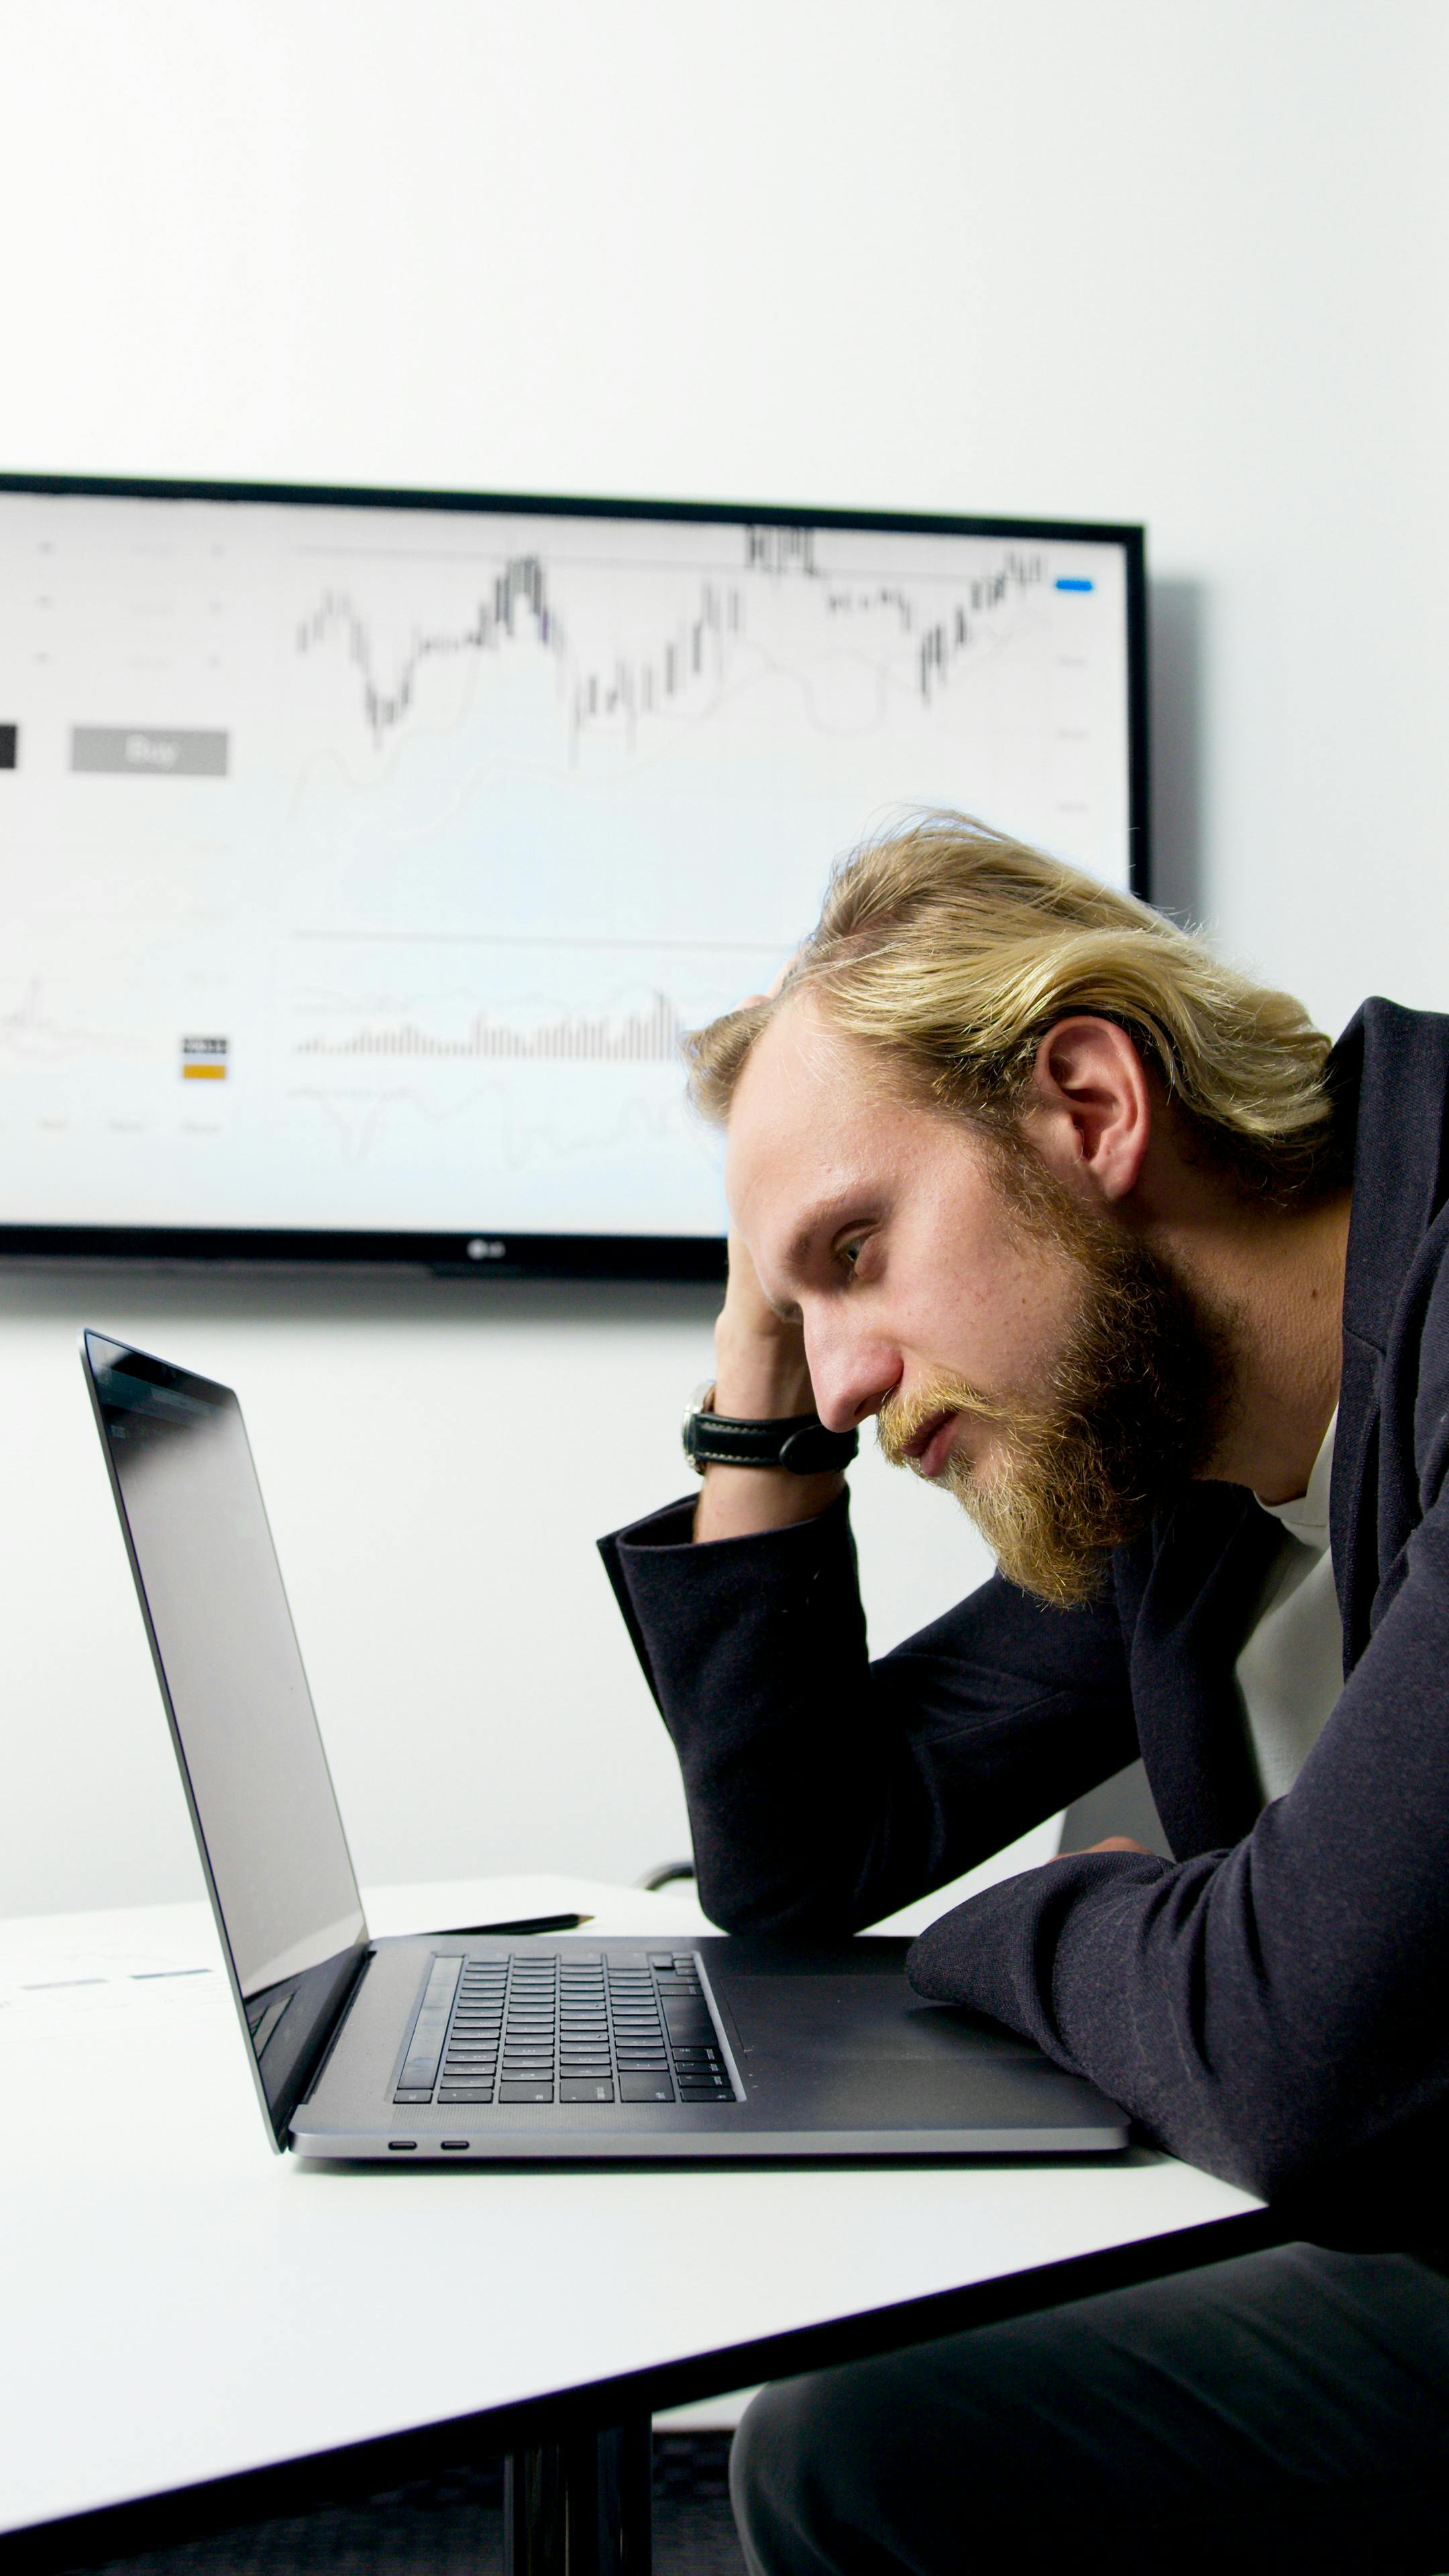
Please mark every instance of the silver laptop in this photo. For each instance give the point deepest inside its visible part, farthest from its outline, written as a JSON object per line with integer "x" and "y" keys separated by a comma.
{"x": 484, "y": 2046}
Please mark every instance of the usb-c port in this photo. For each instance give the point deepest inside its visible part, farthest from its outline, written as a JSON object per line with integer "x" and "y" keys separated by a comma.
{"x": 402, "y": 2146}
{"x": 453, "y": 2146}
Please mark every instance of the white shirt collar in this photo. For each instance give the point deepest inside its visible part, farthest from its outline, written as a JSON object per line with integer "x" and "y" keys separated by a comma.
{"x": 1307, "y": 1515}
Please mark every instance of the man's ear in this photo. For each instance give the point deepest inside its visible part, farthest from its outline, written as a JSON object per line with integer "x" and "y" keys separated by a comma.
{"x": 1089, "y": 1106}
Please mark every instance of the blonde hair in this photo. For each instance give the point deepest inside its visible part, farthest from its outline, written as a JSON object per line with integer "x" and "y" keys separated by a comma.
{"x": 951, "y": 950}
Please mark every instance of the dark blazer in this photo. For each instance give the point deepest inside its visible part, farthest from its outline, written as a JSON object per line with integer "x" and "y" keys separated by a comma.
{"x": 1273, "y": 2003}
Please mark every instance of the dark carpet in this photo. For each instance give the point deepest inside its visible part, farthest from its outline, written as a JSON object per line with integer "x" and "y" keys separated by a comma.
{"x": 453, "y": 2526}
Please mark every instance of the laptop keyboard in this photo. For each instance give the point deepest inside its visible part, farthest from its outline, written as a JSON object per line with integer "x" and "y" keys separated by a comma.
{"x": 540, "y": 2027}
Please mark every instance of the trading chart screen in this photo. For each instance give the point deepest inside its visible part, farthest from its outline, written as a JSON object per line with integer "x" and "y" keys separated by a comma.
{"x": 364, "y": 856}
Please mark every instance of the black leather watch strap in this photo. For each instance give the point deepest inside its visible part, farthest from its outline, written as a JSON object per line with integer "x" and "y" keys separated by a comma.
{"x": 796, "y": 1441}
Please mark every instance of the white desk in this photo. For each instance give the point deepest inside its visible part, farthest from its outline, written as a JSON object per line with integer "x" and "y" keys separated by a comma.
{"x": 179, "y": 2305}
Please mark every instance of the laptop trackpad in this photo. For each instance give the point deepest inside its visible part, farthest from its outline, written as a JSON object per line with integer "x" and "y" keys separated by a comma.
{"x": 822, "y": 2016}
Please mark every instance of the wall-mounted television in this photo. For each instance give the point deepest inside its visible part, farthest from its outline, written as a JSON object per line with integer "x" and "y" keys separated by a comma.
{"x": 363, "y": 854}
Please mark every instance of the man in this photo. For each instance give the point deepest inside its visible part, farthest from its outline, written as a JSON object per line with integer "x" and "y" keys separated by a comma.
{"x": 1118, "y": 1252}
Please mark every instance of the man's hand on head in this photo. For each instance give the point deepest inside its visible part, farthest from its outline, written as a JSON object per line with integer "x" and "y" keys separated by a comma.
{"x": 761, "y": 1375}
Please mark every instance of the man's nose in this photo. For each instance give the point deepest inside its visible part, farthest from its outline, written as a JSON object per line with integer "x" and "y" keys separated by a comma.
{"x": 851, "y": 1375}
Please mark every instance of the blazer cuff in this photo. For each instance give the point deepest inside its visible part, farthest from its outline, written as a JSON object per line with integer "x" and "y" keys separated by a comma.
{"x": 654, "y": 1562}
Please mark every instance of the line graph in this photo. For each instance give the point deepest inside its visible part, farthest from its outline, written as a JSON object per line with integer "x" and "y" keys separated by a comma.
{"x": 362, "y": 1123}
{"x": 630, "y": 685}
{"x": 29, "y": 1031}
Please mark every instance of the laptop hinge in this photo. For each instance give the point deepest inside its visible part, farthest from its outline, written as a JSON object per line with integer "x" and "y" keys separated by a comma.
{"x": 330, "y": 2011}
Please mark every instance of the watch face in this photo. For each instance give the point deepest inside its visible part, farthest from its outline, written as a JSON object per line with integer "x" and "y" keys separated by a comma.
{"x": 700, "y": 1402}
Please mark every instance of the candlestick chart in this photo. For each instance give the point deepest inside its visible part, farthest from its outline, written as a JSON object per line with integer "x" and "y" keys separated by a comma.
{"x": 364, "y": 865}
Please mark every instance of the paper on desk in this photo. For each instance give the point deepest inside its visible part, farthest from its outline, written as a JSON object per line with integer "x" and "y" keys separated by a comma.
{"x": 76, "y": 1992}
{"x": 158, "y": 1964}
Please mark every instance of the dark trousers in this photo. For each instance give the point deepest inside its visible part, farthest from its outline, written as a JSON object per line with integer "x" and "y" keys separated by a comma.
{"x": 1287, "y": 2407}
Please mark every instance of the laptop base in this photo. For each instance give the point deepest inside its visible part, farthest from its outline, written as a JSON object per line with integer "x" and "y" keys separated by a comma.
{"x": 828, "y": 2052}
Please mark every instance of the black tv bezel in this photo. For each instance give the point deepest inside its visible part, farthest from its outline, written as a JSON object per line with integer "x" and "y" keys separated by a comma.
{"x": 545, "y": 1256}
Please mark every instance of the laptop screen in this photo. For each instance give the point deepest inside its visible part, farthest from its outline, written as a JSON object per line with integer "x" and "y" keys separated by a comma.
{"x": 231, "y": 1674}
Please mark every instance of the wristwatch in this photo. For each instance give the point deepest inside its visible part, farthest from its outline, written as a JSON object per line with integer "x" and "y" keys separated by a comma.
{"x": 797, "y": 1441}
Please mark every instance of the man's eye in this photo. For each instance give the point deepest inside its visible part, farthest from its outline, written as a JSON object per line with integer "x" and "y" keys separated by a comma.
{"x": 850, "y": 1252}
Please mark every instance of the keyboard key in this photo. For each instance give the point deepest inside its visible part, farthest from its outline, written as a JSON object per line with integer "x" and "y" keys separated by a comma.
{"x": 525, "y": 2092}
{"x": 645, "y": 2088}
{"x": 578, "y": 2089}
{"x": 412, "y": 2097}
{"x": 446, "y": 2093}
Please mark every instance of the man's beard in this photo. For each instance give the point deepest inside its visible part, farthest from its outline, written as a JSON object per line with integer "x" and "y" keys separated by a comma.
{"x": 1130, "y": 1413}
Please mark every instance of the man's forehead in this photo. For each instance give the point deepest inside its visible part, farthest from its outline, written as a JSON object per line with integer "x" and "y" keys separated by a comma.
{"x": 814, "y": 1113}
{"x": 801, "y": 1078}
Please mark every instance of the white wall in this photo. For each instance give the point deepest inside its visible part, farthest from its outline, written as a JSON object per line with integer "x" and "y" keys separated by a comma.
{"x": 1118, "y": 260}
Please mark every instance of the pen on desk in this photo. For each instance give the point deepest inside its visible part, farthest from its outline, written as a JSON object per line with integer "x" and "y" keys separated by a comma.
{"x": 526, "y": 1923}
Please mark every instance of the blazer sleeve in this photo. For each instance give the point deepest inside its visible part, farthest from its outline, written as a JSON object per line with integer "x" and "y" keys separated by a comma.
{"x": 824, "y": 1790}
{"x": 1273, "y": 2012}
